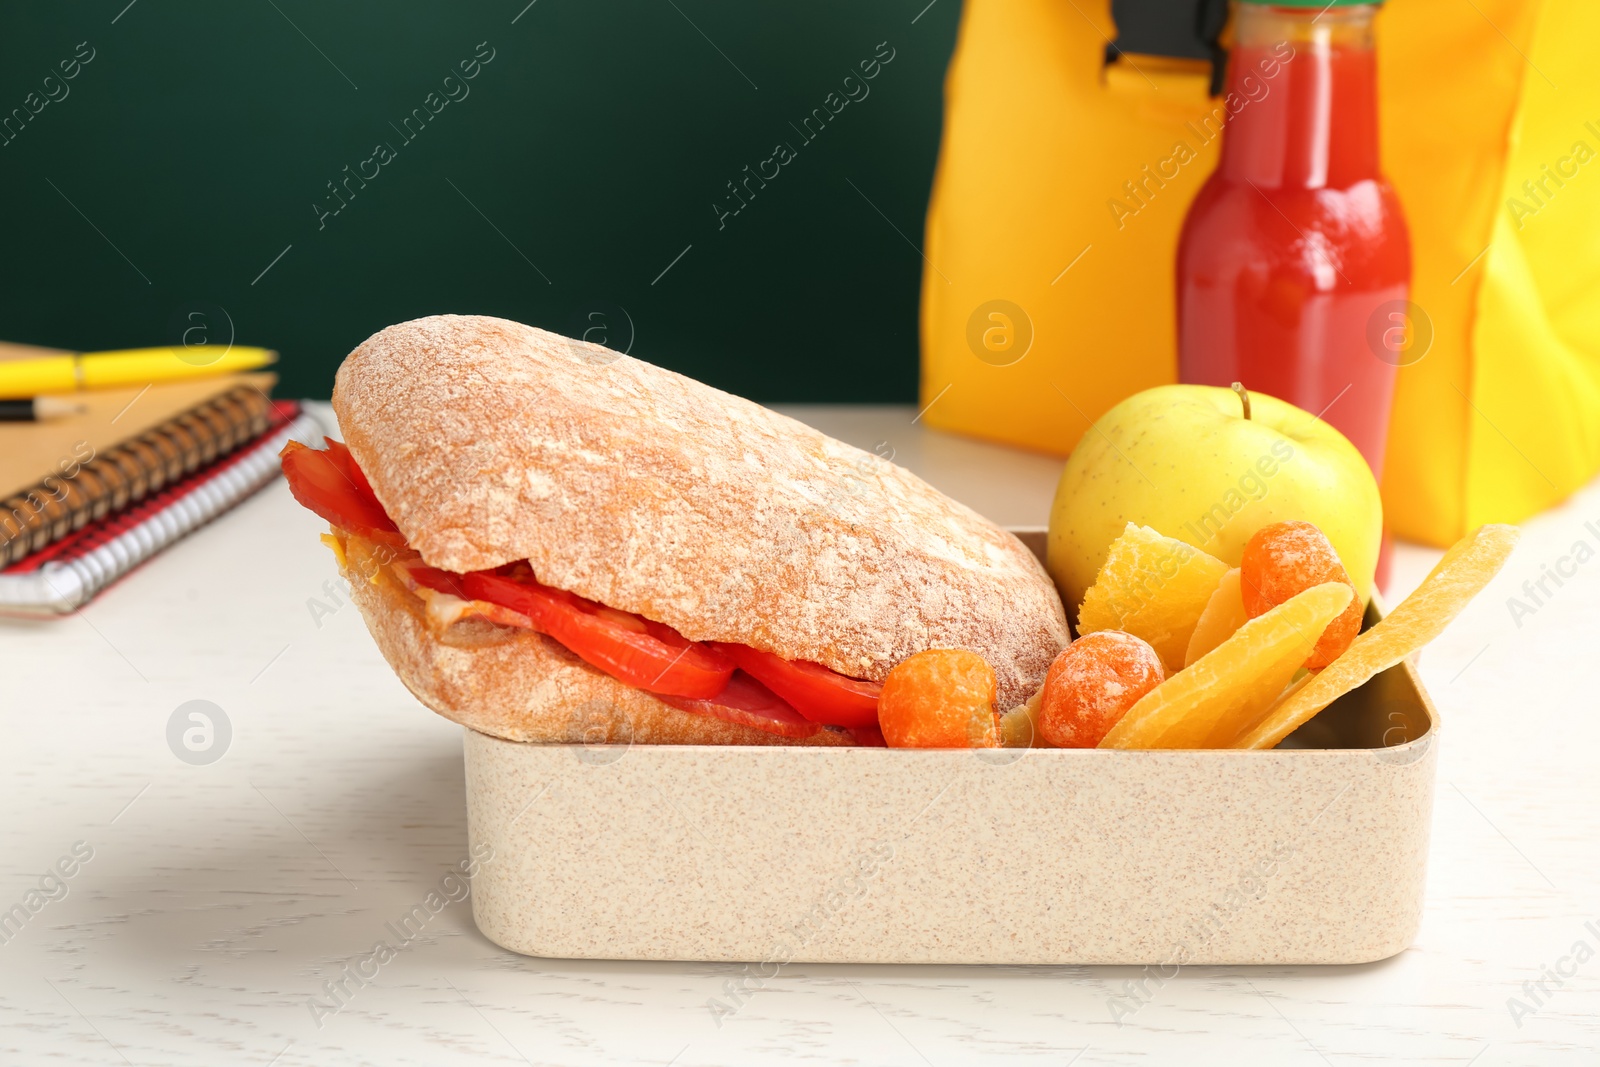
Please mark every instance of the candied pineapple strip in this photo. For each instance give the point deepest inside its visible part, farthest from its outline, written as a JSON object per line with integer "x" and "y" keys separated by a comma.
{"x": 1226, "y": 691}
{"x": 1154, "y": 587}
{"x": 1418, "y": 619}
{"x": 1019, "y": 727}
{"x": 1224, "y": 614}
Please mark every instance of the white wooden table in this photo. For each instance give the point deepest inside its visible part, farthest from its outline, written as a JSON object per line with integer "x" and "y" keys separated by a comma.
{"x": 219, "y": 897}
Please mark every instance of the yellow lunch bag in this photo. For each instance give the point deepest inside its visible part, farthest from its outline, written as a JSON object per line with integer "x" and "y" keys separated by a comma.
{"x": 1044, "y": 303}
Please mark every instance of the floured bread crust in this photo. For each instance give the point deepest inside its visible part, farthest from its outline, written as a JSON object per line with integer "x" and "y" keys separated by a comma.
{"x": 523, "y": 686}
{"x": 488, "y": 441}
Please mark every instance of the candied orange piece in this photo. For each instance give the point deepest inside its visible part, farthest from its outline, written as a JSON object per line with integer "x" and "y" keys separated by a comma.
{"x": 1154, "y": 587}
{"x": 1287, "y": 558}
{"x": 1226, "y": 691}
{"x": 941, "y": 698}
{"x": 1092, "y": 684}
{"x": 1419, "y": 618}
{"x": 1224, "y": 613}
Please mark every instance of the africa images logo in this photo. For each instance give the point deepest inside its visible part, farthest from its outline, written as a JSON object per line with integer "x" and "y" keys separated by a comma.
{"x": 855, "y": 89}
{"x": 455, "y": 90}
{"x": 199, "y": 732}
{"x": 361, "y": 970}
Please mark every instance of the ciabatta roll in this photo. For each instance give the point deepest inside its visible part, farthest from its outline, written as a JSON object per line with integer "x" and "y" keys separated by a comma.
{"x": 489, "y": 442}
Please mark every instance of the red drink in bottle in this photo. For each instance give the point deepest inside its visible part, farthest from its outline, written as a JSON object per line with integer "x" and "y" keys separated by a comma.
{"x": 1296, "y": 246}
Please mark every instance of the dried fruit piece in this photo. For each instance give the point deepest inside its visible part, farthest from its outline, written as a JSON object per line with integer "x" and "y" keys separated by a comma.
{"x": 1223, "y": 615}
{"x": 1287, "y": 558}
{"x": 1227, "y": 690}
{"x": 1019, "y": 727}
{"x": 1154, "y": 587}
{"x": 1092, "y": 684}
{"x": 1418, "y": 619}
{"x": 941, "y": 698}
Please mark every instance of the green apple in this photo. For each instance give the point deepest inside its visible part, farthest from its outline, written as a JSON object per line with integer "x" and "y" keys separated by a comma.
{"x": 1210, "y": 467}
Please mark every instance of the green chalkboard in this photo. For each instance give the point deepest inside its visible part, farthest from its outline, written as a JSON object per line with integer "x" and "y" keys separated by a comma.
{"x": 302, "y": 174}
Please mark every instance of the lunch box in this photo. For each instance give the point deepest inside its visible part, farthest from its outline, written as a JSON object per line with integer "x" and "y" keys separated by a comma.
{"x": 1314, "y": 852}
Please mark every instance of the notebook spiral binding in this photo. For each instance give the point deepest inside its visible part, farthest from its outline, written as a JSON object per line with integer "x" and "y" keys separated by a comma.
{"x": 87, "y": 562}
{"x": 106, "y": 483}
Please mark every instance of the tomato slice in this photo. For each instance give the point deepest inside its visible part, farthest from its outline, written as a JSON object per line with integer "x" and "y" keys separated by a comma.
{"x": 656, "y": 659}
{"x": 749, "y": 703}
{"x": 821, "y": 695}
{"x": 600, "y": 635}
{"x": 329, "y": 483}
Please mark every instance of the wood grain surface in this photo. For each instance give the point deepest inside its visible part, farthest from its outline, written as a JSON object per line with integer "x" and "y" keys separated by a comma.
{"x": 219, "y": 898}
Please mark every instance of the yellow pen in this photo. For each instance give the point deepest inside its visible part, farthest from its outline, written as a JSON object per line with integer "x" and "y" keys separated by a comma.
{"x": 23, "y": 378}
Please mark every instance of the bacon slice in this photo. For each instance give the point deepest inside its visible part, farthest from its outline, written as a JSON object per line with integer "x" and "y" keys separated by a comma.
{"x": 748, "y": 703}
{"x": 442, "y": 602}
{"x": 868, "y": 737}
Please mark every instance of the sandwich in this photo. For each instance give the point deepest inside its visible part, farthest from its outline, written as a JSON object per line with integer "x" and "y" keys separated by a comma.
{"x": 553, "y": 542}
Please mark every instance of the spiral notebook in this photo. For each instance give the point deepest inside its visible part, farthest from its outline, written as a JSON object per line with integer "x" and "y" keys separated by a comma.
{"x": 84, "y": 500}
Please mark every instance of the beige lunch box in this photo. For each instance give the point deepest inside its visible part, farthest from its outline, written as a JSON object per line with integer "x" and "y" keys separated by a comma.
{"x": 1314, "y": 852}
